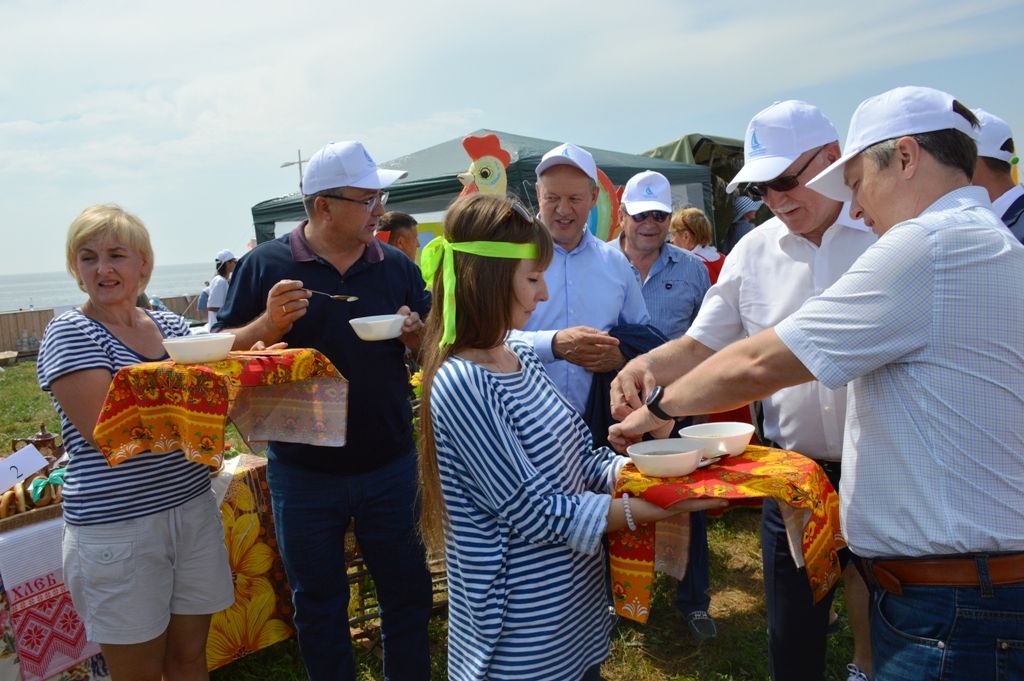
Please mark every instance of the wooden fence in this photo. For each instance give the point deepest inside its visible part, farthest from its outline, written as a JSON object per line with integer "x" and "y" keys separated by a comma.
{"x": 23, "y": 330}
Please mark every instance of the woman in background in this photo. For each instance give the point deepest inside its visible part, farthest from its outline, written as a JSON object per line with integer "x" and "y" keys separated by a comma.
{"x": 144, "y": 556}
{"x": 691, "y": 231}
{"x": 512, "y": 490}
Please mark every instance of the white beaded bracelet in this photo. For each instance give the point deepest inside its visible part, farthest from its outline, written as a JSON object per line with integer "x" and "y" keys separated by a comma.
{"x": 629, "y": 514}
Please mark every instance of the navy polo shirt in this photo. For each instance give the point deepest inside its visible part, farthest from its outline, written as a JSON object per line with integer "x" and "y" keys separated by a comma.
{"x": 379, "y": 416}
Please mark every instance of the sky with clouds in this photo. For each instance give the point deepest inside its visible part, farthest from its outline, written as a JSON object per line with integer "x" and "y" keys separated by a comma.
{"x": 183, "y": 112}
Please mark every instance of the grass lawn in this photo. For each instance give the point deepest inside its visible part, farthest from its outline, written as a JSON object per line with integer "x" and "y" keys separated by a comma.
{"x": 661, "y": 650}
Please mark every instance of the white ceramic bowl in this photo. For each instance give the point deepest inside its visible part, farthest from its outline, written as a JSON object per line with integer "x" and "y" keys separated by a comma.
{"x": 204, "y": 347}
{"x": 666, "y": 458}
{"x": 728, "y": 437}
{"x": 378, "y": 327}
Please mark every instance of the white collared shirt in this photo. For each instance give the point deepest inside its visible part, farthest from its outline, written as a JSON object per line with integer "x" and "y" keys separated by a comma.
{"x": 768, "y": 275}
{"x": 1000, "y": 205}
{"x": 928, "y": 329}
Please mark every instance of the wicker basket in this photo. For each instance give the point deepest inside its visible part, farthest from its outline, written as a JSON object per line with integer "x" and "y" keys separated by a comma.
{"x": 36, "y": 515}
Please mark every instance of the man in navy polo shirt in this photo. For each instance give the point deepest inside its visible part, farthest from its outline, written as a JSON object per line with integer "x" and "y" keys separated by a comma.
{"x": 372, "y": 479}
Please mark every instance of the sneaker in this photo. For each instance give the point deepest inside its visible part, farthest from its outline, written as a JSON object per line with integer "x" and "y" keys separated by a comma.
{"x": 701, "y": 626}
{"x": 855, "y": 674}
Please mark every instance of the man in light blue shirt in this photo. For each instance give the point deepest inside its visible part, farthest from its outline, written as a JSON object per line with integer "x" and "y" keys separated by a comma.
{"x": 591, "y": 286}
{"x": 927, "y": 329}
{"x": 673, "y": 281}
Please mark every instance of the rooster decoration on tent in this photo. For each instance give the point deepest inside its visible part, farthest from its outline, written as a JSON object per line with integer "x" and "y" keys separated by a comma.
{"x": 488, "y": 174}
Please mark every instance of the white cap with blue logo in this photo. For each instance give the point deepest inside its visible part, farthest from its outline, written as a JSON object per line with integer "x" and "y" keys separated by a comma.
{"x": 777, "y": 136}
{"x": 899, "y": 112}
{"x": 571, "y": 155}
{"x": 345, "y": 164}
{"x": 647, "y": 191}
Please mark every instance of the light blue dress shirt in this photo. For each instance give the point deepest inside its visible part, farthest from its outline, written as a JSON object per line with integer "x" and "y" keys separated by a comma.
{"x": 927, "y": 327}
{"x": 591, "y": 285}
{"x": 674, "y": 289}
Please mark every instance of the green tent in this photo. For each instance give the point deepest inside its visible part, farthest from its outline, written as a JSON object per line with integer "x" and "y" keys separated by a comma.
{"x": 432, "y": 183}
{"x": 723, "y": 155}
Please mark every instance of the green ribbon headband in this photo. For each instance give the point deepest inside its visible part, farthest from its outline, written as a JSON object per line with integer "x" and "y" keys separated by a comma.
{"x": 441, "y": 253}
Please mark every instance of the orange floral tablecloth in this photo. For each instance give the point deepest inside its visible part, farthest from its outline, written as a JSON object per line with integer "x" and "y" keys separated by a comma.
{"x": 810, "y": 510}
{"x": 293, "y": 395}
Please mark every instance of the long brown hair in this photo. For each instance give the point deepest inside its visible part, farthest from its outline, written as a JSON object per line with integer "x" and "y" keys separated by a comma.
{"x": 483, "y": 299}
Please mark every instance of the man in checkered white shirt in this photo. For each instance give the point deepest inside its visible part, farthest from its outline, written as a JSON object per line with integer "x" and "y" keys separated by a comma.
{"x": 927, "y": 327}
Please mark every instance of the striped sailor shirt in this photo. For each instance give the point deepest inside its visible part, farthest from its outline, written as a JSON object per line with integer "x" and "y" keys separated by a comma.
{"x": 94, "y": 492}
{"x": 527, "y": 499}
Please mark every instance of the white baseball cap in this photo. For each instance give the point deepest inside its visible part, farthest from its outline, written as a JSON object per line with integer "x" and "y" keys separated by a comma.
{"x": 224, "y": 256}
{"x": 569, "y": 154}
{"x": 907, "y": 110}
{"x": 647, "y": 191}
{"x": 777, "y": 136}
{"x": 345, "y": 164}
{"x": 994, "y": 133}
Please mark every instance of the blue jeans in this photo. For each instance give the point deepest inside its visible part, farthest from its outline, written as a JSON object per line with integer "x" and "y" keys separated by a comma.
{"x": 692, "y": 592}
{"x": 942, "y": 632}
{"x": 312, "y": 511}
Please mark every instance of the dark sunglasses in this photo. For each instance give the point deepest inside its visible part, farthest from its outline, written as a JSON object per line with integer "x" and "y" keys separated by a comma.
{"x": 658, "y": 216}
{"x": 782, "y": 183}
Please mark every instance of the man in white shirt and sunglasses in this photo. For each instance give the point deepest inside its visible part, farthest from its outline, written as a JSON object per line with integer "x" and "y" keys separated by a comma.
{"x": 805, "y": 248}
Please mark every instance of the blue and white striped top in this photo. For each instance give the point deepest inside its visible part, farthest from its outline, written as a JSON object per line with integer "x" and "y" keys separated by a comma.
{"x": 94, "y": 492}
{"x": 527, "y": 500}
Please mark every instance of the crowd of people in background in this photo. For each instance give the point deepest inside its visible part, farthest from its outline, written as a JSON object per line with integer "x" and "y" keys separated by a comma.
{"x": 872, "y": 323}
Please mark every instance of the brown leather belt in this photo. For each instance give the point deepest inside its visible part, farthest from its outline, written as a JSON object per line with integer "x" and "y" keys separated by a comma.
{"x": 893, "y": 575}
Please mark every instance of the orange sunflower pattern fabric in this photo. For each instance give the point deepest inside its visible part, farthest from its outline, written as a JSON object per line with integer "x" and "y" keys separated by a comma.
{"x": 262, "y": 612}
{"x": 164, "y": 406}
{"x": 790, "y": 478}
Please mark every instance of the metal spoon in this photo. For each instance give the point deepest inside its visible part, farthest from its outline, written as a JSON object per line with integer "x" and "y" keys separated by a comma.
{"x": 336, "y": 296}
{"x": 710, "y": 460}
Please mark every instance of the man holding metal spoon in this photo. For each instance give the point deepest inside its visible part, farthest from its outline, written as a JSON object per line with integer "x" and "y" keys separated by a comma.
{"x": 335, "y": 296}
{"x": 372, "y": 479}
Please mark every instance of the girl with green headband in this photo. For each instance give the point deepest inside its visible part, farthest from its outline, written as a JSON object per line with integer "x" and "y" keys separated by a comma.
{"x": 512, "y": 490}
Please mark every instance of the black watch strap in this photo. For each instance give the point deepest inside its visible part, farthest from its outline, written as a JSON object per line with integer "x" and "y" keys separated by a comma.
{"x": 654, "y": 403}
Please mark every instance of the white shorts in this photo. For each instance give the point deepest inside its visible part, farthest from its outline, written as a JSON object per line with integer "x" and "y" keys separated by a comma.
{"x": 127, "y": 578}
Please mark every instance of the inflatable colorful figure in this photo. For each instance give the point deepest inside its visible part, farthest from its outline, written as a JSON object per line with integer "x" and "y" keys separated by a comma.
{"x": 604, "y": 216}
{"x": 487, "y": 174}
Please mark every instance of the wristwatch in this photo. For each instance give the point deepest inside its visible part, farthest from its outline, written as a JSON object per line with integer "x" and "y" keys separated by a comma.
{"x": 653, "y": 403}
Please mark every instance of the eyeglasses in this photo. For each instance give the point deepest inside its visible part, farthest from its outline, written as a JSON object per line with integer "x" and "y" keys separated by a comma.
{"x": 520, "y": 210}
{"x": 369, "y": 204}
{"x": 658, "y": 216}
{"x": 782, "y": 183}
